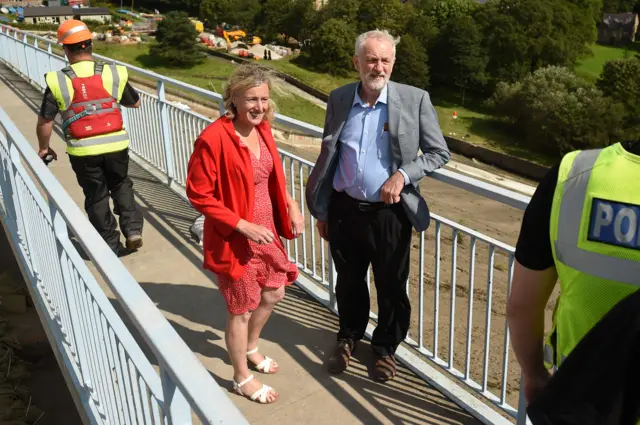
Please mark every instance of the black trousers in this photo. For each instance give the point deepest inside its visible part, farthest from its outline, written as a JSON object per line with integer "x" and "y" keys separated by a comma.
{"x": 360, "y": 235}
{"x": 101, "y": 177}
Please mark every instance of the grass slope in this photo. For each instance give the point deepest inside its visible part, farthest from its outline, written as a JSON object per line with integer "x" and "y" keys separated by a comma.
{"x": 473, "y": 124}
{"x": 212, "y": 74}
{"x": 591, "y": 66}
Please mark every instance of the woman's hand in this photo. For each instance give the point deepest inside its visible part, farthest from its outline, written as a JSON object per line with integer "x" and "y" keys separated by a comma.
{"x": 259, "y": 234}
{"x": 297, "y": 220}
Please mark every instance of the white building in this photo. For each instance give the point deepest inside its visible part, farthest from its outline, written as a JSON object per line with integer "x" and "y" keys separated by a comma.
{"x": 59, "y": 14}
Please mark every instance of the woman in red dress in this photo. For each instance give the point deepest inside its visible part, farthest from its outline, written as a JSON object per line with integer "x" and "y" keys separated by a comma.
{"x": 236, "y": 180}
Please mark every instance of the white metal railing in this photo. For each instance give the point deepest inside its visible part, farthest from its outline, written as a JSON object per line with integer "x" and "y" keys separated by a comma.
{"x": 115, "y": 381}
{"x": 436, "y": 276}
{"x": 162, "y": 136}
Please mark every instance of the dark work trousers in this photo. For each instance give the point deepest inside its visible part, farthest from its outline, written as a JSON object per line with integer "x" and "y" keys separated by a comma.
{"x": 363, "y": 234}
{"x": 101, "y": 176}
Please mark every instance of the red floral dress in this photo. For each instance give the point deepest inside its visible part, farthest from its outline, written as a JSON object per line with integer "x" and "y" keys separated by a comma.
{"x": 268, "y": 264}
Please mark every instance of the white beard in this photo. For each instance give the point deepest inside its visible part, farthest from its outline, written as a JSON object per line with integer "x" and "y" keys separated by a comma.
{"x": 377, "y": 84}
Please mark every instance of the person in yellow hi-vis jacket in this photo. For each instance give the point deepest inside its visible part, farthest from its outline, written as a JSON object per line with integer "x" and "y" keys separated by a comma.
{"x": 581, "y": 228}
{"x": 88, "y": 95}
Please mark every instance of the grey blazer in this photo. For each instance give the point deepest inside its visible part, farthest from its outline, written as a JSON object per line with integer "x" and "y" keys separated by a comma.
{"x": 413, "y": 125}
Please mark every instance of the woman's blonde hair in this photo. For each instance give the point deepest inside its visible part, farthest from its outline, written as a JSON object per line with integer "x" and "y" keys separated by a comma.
{"x": 245, "y": 77}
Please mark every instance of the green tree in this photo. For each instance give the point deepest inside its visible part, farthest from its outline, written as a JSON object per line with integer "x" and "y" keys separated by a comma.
{"x": 424, "y": 29}
{"x": 442, "y": 11}
{"x": 555, "y": 111}
{"x": 392, "y": 15}
{"x": 213, "y": 12}
{"x": 176, "y": 38}
{"x": 587, "y": 14}
{"x": 620, "y": 80}
{"x": 459, "y": 58}
{"x": 522, "y": 36}
{"x": 331, "y": 48}
{"x": 285, "y": 17}
{"x": 591, "y": 10}
{"x": 234, "y": 12}
{"x": 620, "y": 6}
{"x": 165, "y": 6}
{"x": 411, "y": 63}
{"x": 245, "y": 12}
{"x": 347, "y": 10}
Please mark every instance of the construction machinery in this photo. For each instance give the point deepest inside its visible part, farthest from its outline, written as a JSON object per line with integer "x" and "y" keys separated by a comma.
{"x": 198, "y": 25}
{"x": 237, "y": 35}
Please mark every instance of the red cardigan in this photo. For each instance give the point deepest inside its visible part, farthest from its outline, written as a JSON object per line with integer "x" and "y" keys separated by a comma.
{"x": 220, "y": 185}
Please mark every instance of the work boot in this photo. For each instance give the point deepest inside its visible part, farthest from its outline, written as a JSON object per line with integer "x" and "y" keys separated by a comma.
{"x": 134, "y": 242}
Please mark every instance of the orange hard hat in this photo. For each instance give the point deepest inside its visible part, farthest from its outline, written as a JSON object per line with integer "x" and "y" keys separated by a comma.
{"x": 73, "y": 31}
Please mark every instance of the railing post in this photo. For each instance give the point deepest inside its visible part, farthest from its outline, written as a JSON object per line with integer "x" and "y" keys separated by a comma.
{"x": 14, "y": 56}
{"x": 125, "y": 123}
{"x": 61, "y": 233}
{"x": 221, "y": 107}
{"x": 50, "y": 54}
{"x": 37, "y": 74}
{"x": 26, "y": 59}
{"x": 8, "y": 194}
{"x": 522, "y": 405}
{"x": 23, "y": 231}
{"x": 176, "y": 409}
{"x": 333, "y": 279}
{"x": 166, "y": 131}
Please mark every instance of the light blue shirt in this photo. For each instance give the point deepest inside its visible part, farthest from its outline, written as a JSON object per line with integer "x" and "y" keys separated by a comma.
{"x": 365, "y": 157}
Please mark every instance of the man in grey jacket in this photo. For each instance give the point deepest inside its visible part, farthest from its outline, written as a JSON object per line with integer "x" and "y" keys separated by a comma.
{"x": 363, "y": 192}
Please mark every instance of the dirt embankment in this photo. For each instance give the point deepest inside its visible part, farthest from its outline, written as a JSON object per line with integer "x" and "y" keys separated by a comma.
{"x": 32, "y": 389}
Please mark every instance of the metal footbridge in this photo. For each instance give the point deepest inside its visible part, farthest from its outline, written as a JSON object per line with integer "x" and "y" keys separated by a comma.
{"x": 140, "y": 339}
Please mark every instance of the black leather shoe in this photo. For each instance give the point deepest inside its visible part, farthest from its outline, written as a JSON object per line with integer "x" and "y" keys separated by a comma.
{"x": 385, "y": 368}
{"x": 339, "y": 359}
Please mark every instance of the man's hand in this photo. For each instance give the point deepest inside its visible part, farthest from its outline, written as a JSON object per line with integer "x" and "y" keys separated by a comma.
{"x": 323, "y": 229}
{"x": 390, "y": 192}
{"x": 42, "y": 153}
{"x": 259, "y": 234}
{"x": 297, "y": 221}
{"x": 43, "y": 131}
{"x": 533, "y": 385}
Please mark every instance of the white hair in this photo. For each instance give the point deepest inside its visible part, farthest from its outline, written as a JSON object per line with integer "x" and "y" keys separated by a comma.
{"x": 377, "y": 34}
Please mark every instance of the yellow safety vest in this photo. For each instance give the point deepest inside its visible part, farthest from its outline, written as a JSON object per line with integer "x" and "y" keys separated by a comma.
{"x": 114, "y": 78}
{"x": 595, "y": 235}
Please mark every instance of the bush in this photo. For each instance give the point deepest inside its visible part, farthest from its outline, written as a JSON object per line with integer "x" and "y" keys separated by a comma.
{"x": 332, "y": 47}
{"x": 35, "y": 27}
{"x": 555, "y": 111}
{"x": 411, "y": 63}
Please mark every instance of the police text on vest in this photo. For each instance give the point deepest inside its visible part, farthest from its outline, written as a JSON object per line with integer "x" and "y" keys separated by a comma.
{"x": 615, "y": 223}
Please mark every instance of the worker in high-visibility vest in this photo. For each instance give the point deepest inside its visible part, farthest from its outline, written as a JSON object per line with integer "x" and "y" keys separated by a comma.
{"x": 88, "y": 95}
{"x": 581, "y": 228}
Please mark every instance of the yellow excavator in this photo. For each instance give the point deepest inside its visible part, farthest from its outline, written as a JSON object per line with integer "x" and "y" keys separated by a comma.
{"x": 239, "y": 35}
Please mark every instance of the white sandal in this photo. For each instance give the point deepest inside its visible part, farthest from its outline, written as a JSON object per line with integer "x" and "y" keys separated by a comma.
{"x": 259, "y": 396}
{"x": 265, "y": 365}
